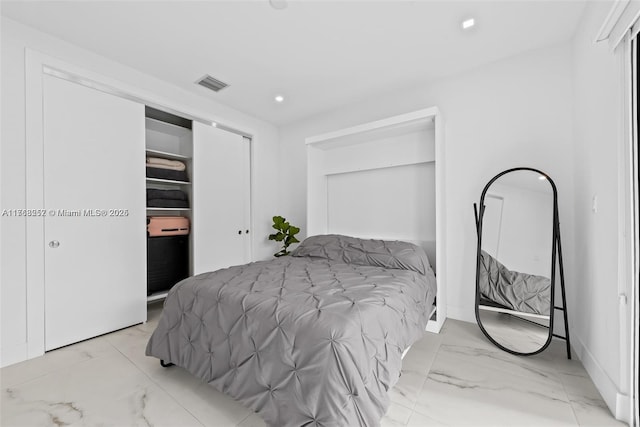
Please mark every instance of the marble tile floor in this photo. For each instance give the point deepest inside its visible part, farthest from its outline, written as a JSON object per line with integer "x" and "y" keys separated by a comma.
{"x": 455, "y": 378}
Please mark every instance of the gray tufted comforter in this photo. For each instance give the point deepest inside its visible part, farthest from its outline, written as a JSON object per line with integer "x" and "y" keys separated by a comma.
{"x": 311, "y": 339}
{"x": 526, "y": 293}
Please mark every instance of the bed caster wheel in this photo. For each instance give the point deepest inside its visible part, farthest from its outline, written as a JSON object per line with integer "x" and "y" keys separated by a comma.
{"x": 165, "y": 365}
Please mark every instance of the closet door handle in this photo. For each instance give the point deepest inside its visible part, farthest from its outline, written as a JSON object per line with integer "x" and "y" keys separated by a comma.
{"x": 239, "y": 231}
{"x": 247, "y": 231}
{"x": 54, "y": 244}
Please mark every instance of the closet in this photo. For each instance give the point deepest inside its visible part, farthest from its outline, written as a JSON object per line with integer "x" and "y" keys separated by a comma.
{"x": 217, "y": 185}
{"x": 169, "y": 174}
{"x": 95, "y": 143}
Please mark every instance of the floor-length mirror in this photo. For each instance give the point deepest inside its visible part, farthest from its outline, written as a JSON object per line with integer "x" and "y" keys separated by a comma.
{"x": 517, "y": 252}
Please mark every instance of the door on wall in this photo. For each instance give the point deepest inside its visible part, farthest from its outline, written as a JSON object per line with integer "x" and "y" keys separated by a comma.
{"x": 95, "y": 269}
{"x": 492, "y": 224}
{"x": 221, "y": 199}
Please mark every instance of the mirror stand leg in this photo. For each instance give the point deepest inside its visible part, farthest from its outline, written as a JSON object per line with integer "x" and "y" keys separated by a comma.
{"x": 564, "y": 297}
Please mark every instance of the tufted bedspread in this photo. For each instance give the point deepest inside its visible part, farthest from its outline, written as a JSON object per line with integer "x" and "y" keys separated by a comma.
{"x": 310, "y": 339}
{"x": 526, "y": 293}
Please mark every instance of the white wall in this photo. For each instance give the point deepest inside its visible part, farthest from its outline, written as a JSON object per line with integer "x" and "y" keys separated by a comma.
{"x": 406, "y": 214}
{"x": 15, "y": 38}
{"x": 598, "y": 154}
{"x": 526, "y": 227}
{"x": 515, "y": 112}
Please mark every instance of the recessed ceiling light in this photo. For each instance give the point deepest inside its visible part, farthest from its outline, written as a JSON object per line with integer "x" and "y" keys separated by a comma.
{"x": 468, "y": 23}
{"x": 279, "y": 98}
{"x": 278, "y": 4}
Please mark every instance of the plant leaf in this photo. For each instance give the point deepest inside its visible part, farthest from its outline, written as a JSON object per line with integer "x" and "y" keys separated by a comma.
{"x": 290, "y": 240}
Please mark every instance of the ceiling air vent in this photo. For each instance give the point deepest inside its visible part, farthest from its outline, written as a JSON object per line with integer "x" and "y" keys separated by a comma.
{"x": 212, "y": 83}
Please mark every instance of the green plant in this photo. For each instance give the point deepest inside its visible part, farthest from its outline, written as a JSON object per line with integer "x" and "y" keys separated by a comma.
{"x": 286, "y": 234}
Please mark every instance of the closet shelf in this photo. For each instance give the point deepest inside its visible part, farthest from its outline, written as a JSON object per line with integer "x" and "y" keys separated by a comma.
{"x": 166, "y": 128}
{"x": 150, "y": 208}
{"x": 168, "y": 181}
{"x": 157, "y": 296}
{"x": 167, "y": 155}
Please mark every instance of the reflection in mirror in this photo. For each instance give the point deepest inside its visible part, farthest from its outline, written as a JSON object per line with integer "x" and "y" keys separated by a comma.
{"x": 514, "y": 274}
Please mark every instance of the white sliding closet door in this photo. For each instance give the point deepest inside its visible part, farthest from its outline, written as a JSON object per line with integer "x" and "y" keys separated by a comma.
{"x": 95, "y": 264}
{"x": 221, "y": 199}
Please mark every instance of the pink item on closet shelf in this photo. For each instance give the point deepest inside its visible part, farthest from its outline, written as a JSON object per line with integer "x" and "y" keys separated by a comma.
{"x": 167, "y": 226}
{"x": 158, "y": 162}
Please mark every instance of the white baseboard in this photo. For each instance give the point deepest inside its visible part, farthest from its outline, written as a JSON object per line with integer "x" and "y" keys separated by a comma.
{"x": 623, "y": 408}
{"x": 617, "y": 402}
{"x": 460, "y": 313}
{"x": 434, "y": 326}
{"x": 13, "y": 354}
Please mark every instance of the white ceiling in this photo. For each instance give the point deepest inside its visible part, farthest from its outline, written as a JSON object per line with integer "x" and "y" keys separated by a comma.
{"x": 318, "y": 54}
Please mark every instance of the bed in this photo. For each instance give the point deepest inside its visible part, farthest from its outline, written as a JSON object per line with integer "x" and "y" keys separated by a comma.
{"x": 315, "y": 338}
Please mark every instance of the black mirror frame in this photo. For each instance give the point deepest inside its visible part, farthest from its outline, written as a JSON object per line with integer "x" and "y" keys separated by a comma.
{"x": 556, "y": 256}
